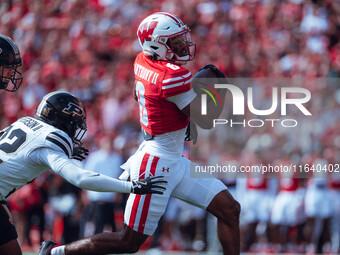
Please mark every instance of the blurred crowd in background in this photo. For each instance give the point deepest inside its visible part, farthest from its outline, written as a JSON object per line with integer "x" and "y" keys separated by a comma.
{"x": 87, "y": 47}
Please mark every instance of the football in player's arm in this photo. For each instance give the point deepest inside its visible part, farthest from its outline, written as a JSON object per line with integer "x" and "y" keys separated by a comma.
{"x": 50, "y": 140}
{"x": 204, "y": 79}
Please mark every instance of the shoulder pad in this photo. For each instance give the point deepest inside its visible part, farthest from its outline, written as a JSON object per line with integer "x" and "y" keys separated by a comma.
{"x": 176, "y": 80}
{"x": 60, "y": 141}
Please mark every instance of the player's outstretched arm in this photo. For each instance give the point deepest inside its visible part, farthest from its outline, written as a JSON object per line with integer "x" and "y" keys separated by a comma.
{"x": 90, "y": 180}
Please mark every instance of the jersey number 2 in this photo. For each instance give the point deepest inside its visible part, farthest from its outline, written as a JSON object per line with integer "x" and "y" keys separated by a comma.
{"x": 143, "y": 114}
{"x": 12, "y": 140}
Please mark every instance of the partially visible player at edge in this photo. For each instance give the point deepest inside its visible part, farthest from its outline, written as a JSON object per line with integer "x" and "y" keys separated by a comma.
{"x": 10, "y": 60}
{"x": 163, "y": 91}
{"x": 10, "y": 80}
{"x": 49, "y": 140}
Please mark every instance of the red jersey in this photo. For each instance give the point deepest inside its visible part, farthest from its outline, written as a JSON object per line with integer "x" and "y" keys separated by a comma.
{"x": 155, "y": 81}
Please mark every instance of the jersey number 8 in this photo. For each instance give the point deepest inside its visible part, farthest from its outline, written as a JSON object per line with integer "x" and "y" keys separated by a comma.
{"x": 143, "y": 114}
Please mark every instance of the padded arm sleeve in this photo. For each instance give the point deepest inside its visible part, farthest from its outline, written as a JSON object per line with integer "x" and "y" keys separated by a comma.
{"x": 79, "y": 177}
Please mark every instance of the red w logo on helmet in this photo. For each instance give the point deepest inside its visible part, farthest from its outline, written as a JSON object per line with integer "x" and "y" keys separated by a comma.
{"x": 146, "y": 30}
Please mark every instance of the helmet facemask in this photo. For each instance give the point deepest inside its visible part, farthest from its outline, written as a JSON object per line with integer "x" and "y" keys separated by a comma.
{"x": 10, "y": 60}
{"x": 10, "y": 73}
{"x": 180, "y": 47}
{"x": 80, "y": 129}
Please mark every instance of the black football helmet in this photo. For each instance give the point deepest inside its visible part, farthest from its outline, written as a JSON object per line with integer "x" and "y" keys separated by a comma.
{"x": 10, "y": 60}
{"x": 65, "y": 112}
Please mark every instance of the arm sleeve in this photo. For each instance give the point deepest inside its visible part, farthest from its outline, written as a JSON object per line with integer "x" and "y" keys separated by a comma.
{"x": 79, "y": 177}
{"x": 182, "y": 100}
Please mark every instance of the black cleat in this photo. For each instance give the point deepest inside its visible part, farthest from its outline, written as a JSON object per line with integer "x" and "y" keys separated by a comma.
{"x": 46, "y": 246}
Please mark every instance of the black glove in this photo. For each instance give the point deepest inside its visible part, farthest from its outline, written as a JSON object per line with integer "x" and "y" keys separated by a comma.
{"x": 80, "y": 153}
{"x": 191, "y": 133}
{"x": 148, "y": 186}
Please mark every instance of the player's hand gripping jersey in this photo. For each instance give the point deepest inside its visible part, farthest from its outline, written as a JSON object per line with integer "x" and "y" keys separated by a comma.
{"x": 156, "y": 81}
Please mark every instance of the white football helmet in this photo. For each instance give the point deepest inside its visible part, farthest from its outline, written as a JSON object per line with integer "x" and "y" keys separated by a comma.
{"x": 165, "y": 37}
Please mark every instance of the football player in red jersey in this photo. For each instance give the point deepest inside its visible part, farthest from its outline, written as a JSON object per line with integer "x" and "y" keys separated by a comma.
{"x": 164, "y": 94}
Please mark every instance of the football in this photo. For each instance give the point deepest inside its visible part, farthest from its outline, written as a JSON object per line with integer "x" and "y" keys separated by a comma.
{"x": 205, "y": 76}
{"x": 205, "y": 73}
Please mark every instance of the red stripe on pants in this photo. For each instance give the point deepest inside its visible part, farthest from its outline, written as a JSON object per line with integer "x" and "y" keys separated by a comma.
{"x": 147, "y": 199}
{"x": 137, "y": 197}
